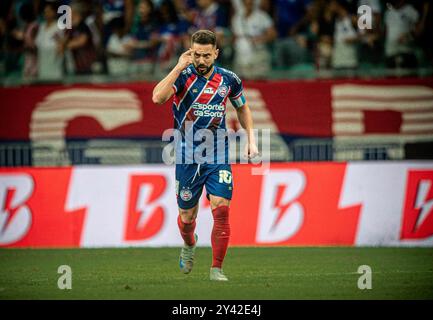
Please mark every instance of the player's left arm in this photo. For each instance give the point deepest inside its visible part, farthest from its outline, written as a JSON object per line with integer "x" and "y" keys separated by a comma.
{"x": 246, "y": 121}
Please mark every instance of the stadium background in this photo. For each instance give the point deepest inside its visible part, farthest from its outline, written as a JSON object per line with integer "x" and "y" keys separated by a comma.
{"x": 350, "y": 178}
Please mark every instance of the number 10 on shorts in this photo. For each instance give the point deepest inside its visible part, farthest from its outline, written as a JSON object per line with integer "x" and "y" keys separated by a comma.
{"x": 225, "y": 176}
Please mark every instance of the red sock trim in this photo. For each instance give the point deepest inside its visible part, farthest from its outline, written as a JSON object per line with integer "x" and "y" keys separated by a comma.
{"x": 220, "y": 235}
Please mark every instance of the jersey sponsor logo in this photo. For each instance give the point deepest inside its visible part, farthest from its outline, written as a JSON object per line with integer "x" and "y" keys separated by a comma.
{"x": 209, "y": 91}
{"x": 185, "y": 194}
{"x": 222, "y": 91}
{"x": 203, "y": 106}
{"x": 208, "y": 110}
{"x": 207, "y": 113}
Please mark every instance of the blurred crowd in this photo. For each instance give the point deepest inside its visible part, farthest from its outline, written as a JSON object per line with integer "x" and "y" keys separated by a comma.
{"x": 124, "y": 37}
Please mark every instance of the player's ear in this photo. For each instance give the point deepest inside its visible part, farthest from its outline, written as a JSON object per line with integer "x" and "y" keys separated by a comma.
{"x": 217, "y": 51}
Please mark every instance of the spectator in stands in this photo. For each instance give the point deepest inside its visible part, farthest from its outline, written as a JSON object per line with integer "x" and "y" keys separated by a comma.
{"x": 309, "y": 29}
{"x": 118, "y": 51}
{"x": 370, "y": 40}
{"x": 288, "y": 49}
{"x": 172, "y": 29}
{"x": 78, "y": 43}
{"x": 183, "y": 7}
{"x": 322, "y": 25}
{"x": 12, "y": 44}
{"x": 145, "y": 39}
{"x": 155, "y": 38}
{"x": 48, "y": 42}
{"x": 264, "y": 5}
{"x": 92, "y": 20}
{"x": 28, "y": 35}
{"x": 400, "y": 19}
{"x": 116, "y": 9}
{"x": 344, "y": 51}
{"x": 239, "y": 8}
{"x": 92, "y": 16}
{"x": 424, "y": 28}
{"x": 253, "y": 30}
{"x": 2, "y": 45}
{"x": 208, "y": 15}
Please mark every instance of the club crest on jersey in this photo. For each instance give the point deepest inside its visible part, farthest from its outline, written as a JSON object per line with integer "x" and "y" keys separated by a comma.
{"x": 222, "y": 91}
{"x": 185, "y": 194}
{"x": 186, "y": 71}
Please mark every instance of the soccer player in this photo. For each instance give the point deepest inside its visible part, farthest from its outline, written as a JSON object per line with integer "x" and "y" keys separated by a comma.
{"x": 200, "y": 91}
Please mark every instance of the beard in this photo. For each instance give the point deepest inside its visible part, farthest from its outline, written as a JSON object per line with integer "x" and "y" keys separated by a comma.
{"x": 206, "y": 70}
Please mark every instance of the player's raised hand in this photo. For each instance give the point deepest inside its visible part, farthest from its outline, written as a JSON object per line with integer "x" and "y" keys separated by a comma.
{"x": 185, "y": 59}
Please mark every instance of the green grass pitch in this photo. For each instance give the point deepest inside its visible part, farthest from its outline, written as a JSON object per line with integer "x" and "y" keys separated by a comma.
{"x": 254, "y": 273}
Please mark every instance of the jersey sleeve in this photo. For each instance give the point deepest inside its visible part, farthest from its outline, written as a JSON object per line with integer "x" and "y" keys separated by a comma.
{"x": 237, "y": 91}
{"x": 180, "y": 82}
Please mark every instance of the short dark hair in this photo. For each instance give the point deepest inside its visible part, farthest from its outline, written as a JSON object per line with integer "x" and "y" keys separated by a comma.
{"x": 204, "y": 37}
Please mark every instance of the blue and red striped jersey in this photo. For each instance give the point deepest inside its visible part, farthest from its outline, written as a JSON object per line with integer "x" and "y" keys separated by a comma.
{"x": 203, "y": 101}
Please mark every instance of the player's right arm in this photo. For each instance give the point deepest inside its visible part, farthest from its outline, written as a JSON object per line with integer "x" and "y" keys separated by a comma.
{"x": 164, "y": 89}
